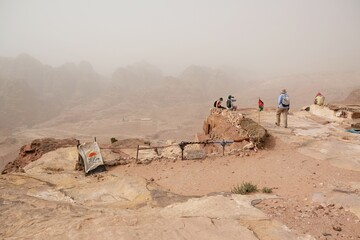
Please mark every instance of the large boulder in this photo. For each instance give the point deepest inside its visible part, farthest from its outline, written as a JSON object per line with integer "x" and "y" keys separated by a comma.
{"x": 34, "y": 150}
{"x": 232, "y": 125}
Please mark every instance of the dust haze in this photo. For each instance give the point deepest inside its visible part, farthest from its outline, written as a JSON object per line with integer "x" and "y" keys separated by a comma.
{"x": 264, "y": 37}
{"x": 152, "y": 69}
{"x": 147, "y": 73}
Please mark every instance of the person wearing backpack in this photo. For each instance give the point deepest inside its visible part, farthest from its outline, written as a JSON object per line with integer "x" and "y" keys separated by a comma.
{"x": 217, "y": 103}
{"x": 283, "y": 107}
{"x": 229, "y": 103}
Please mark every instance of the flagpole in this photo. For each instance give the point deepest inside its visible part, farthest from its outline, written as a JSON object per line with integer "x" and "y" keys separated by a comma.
{"x": 259, "y": 113}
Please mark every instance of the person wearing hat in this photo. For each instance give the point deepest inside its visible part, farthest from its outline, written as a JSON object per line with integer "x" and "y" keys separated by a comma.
{"x": 283, "y": 107}
{"x": 229, "y": 103}
{"x": 319, "y": 99}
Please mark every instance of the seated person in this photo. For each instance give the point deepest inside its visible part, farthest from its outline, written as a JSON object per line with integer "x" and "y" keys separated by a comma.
{"x": 218, "y": 102}
{"x": 229, "y": 103}
{"x": 319, "y": 99}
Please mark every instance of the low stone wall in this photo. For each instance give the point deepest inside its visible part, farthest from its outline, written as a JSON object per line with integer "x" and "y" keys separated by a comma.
{"x": 336, "y": 112}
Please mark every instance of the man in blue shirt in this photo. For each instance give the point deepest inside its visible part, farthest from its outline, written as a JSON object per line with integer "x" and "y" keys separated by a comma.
{"x": 283, "y": 107}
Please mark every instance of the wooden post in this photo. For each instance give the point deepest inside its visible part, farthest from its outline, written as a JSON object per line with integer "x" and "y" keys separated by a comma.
{"x": 79, "y": 166}
{"x": 223, "y": 146}
{"x": 182, "y": 147}
{"x": 77, "y": 146}
{"x": 137, "y": 153}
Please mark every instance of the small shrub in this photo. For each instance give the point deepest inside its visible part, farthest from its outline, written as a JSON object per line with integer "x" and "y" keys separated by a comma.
{"x": 245, "y": 188}
{"x": 266, "y": 190}
{"x": 113, "y": 140}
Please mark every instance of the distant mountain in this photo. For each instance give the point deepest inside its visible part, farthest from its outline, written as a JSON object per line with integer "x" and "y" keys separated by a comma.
{"x": 32, "y": 91}
{"x": 26, "y": 68}
{"x": 67, "y": 82}
{"x": 19, "y": 104}
{"x": 210, "y": 83}
{"x": 143, "y": 83}
{"x": 353, "y": 97}
{"x": 137, "y": 77}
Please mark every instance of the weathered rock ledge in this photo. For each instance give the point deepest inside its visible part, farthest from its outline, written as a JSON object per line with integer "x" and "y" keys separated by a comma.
{"x": 34, "y": 150}
{"x": 232, "y": 125}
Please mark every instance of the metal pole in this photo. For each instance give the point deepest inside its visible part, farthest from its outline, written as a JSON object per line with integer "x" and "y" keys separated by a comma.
{"x": 223, "y": 146}
{"x": 182, "y": 146}
{"x": 137, "y": 153}
{"x": 79, "y": 157}
{"x": 79, "y": 165}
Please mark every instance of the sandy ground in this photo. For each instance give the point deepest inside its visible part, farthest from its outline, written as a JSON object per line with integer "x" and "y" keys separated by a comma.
{"x": 293, "y": 179}
{"x": 318, "y": 194}
{"x": 301, "y": 182}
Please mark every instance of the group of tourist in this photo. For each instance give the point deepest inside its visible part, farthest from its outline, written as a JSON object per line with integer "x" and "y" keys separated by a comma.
{"x": 283, "y": 105}
{"x": 229, "y": 103}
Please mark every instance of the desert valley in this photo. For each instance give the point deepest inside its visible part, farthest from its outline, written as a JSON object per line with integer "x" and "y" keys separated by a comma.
{"x": 307, "y": 175}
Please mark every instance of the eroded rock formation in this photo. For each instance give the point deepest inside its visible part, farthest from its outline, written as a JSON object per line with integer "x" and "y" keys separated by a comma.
{"x": 232, "y": 125}
{"x": 337, "y": 112}
{"x": 33, "y": 151}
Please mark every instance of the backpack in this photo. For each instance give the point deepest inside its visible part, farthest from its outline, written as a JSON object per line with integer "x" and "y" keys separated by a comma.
{"x": 215, "y": 103}
{"x": 285, "y": 101}
{"x": 228, "y": 103}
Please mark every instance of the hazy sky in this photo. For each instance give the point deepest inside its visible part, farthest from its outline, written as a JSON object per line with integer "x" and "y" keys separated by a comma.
{"x": 276, "y": 36}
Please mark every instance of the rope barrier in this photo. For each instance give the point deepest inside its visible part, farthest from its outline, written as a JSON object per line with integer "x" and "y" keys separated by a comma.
{"x": 223, "y": 143}
{"x": 182, "y": 145}
{"x": 142, "y": 148}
